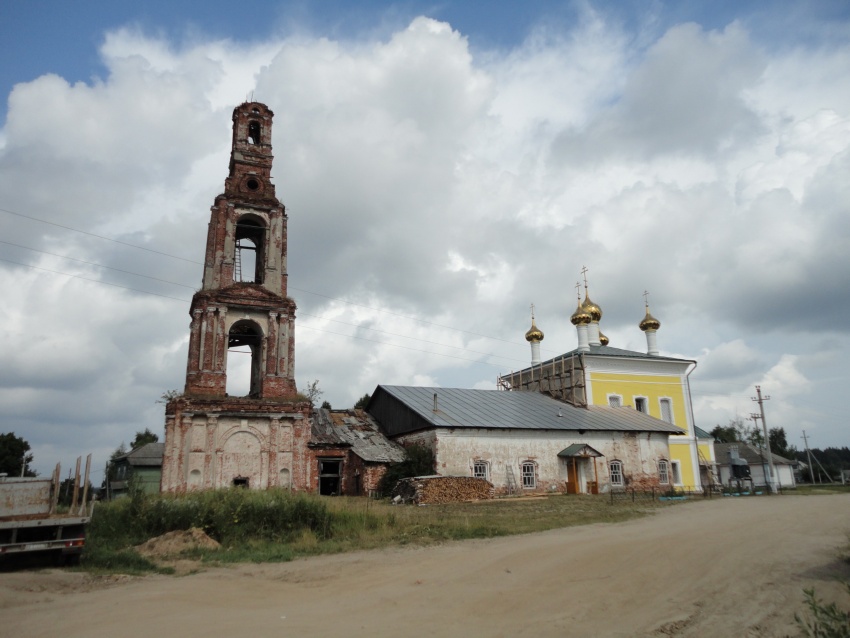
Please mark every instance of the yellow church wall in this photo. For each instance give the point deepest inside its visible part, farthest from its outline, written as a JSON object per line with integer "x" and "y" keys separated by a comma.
{"x": 682, "y": 453}
{"x": 653, "y": 387}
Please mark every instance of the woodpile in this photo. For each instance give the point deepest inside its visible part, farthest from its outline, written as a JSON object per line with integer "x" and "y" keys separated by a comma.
{"x": 434, "y": 490}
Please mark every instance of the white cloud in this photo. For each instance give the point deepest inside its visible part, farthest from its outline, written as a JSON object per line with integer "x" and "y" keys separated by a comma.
{"x": 442, "y": 191}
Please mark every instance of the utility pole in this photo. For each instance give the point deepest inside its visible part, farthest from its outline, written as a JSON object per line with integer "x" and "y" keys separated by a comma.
{"x": 760, "y": 400}
{"x": 755, "y": 419}
{"x": 809, "y": 456}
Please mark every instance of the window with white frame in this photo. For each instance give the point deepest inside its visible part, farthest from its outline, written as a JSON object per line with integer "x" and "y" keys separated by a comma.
{"x": 615, "y": 400}
{"x": 529, "y": 475}
{"x": 640, "y": 404}
{"x": 676, "y": 466}
{"x": 481, "y": 469}
{"x": 663, "y": 472}
{"x": 666, "y": 410}
{"x": 616, "y": 469}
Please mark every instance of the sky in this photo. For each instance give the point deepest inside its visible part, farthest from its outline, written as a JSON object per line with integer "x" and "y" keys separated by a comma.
{"x": 444, "y": 165}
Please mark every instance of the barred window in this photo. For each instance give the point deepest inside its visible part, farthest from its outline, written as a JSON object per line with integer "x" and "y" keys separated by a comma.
{"x": 640, "y": 404}
{"x": 663, "y": 472}
{"x": 529, "y": 475}
{"x": 616, "y": 469}
{"x": 481, "y": 469}
{"x": 615, "y": 400}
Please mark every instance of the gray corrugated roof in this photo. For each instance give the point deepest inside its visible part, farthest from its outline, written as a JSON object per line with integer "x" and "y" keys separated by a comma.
{"x": 748, "y": 452}
{"x": 359, "y": 431}
{"x": 579, "y": 449}
{"x": 702, "y": 434}
{"x": 464, "y": 408}
{"x": 148, "y": 454}
{"x": 608, "y": 351}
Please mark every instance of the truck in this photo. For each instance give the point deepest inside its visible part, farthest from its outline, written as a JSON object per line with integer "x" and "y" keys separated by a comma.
{"x": 31, "y": 523}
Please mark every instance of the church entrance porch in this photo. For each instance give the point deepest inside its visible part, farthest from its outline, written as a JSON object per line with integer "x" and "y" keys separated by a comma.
{"x": 580, "y": 463}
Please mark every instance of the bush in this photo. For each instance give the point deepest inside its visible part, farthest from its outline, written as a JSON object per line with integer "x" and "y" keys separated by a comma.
{"x": 419, "y": 462}
{"x": 824, "y": 621}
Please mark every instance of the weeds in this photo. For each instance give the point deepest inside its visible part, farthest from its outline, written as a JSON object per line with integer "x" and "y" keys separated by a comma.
{"x": 277, "y": 525}
{"x": 823, "y": 620}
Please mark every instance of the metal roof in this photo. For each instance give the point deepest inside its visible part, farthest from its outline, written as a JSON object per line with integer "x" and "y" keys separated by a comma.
{"x": 357, "y": 430}
{"x": 702, "y": 434}
{"x": 464, "y": 408}
{"x": 149, "y": 454}
{"x": 749, "y": 453}
{"x": 579, "y": 449}
{"x": 608, "y": 351}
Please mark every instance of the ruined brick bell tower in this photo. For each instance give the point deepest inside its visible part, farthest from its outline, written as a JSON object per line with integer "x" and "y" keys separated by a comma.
{"x": 211, "y": 439}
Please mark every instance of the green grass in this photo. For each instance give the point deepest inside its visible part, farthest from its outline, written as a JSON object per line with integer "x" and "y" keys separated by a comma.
{"x": 276, "y": 525}
{"x": 819, "y": 489}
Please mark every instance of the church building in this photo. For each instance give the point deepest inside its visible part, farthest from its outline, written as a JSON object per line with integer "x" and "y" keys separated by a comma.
{"x": 597, "y": 374}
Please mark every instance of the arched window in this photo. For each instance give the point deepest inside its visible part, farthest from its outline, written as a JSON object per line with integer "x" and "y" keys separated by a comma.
{"x": 253, "y": 132}
{"x": 481, "y": 469}
{"x": 249, "y": 260}
{"x": 245, "y": 340}
{"x": 528, "y": 469}
{"x": 616, "y": 470}
{"x": 663, "y": 472}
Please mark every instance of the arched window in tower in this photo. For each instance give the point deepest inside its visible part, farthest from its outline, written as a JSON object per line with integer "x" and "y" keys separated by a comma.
{"x": 249, "y": 260}
{"x": 253, "y": 132}
{"x": 244, "y": 359}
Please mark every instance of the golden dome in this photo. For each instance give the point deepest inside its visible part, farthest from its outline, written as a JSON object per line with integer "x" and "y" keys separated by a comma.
{"x": 581, "y": 317}
{"x": 603, "y": 339}
{"x": 649, "y": 322}
{"x": 591, "y": 308}
{"x": 534, "y": 333}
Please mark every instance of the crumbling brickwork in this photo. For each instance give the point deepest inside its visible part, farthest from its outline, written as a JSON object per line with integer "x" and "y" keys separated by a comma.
{"x": 211, "y": 439}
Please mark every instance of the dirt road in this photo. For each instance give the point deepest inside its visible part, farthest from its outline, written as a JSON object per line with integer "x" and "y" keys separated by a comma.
{"x": 726, "y": 567}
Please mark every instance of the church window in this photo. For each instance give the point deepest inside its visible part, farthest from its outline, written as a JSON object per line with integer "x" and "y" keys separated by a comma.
{"x": 529, "y": 475}
{"x": 616, "y": 469}
{"x": 663, "y": 472}
{"x": 481, "y": 469}
{"x": 615, "y": 400}
{"x": 640, "y": 404}
{"x": 249, "y": 260}
{"x": 666, "y": 410}
{"x": 253, "y": 133}
{"x": 676, "y": 466}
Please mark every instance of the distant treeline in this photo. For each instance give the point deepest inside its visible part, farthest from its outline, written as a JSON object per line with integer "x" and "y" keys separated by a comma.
{"x": 833, "y": 460}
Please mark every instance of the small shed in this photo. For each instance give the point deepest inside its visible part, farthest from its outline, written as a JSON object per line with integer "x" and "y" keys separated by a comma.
{"x": 143, "y": 465}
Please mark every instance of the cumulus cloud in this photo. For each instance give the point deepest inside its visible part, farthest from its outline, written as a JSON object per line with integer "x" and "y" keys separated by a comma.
{"x": 434, "y": 191}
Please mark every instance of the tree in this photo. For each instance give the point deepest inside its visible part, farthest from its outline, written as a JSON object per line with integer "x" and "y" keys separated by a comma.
{"x": 779, "y": 443}
{"x": 143, "y": 438}
{"x": 734, "y": 432}
{"x": 362, "y": 402}
{"x": 14, "y": 455}
{"x": 313, "y": 392}
{"x": 326, "y": 405}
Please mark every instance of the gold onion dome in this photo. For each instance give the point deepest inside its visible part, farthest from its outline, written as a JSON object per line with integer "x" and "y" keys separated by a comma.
{"x": 603, "y": 339}
{"x": 649, "y": 322}
{"x": 581, "y": 317}
{"x": 592, "y": 309}
{"x": 534, "y": 333}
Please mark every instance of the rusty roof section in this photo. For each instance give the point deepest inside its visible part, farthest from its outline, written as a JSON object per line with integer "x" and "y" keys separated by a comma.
{"x": 357, "y": 430}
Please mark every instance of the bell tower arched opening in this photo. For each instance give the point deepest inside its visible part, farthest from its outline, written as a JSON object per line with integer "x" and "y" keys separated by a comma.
{"x": 244, "y": 376}
{"x": 250, "y": 257}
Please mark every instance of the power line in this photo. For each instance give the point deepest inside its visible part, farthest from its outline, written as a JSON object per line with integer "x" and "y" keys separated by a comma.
{"x": 191, "y": 261}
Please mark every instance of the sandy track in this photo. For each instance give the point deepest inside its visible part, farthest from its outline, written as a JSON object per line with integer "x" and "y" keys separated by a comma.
{"x": 726, "y": 567}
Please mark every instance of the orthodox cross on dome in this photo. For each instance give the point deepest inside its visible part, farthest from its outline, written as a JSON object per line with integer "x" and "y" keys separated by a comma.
{"x": 532, "y": 312}
{"x": 578, "y": 290}
{"x": 646, "y": 298}
{"x": 584, "y": 274}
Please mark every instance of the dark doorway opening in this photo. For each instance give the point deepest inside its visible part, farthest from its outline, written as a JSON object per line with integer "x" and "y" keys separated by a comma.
{"x": 330, "y": 477}
{"x": 241, "y": 481}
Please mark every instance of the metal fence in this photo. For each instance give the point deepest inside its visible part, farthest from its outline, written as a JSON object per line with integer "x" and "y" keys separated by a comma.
{"x": 684, "y": 492}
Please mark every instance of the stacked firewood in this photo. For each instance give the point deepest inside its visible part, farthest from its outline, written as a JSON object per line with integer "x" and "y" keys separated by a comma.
{"x": 433, "y": 490}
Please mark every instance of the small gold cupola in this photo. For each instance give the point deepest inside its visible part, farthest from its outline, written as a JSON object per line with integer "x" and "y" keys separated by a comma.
{"x": 581, "y": 320}
{"x": 603, "y": 339}
{"x": 650, "y": 326}
{"x": 534, "y": 336}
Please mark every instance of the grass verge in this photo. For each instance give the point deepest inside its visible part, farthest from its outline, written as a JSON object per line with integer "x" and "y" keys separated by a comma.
{"x": 276, "y": 525}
